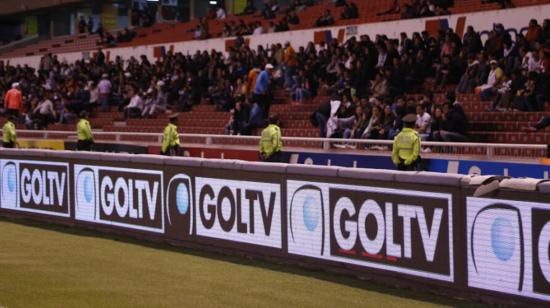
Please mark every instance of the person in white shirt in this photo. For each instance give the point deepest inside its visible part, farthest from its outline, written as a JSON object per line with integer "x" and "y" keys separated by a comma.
{"x": 44, "y": 113}
{"x": 104, "y": 88}
{"x": 156, "y": 101}
{"x": 423, "y": 123}
{"x": 94, "y": 92}
{"x": 259, "y": 29}
{"x": 135, "y": 107}
{"x": 220, "y": 13}
{"x": 534, "y": 64}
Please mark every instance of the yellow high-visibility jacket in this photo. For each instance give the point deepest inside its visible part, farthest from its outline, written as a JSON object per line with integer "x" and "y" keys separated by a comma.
{"x": 406, "y": 147}
{"x": 271, "y": 140}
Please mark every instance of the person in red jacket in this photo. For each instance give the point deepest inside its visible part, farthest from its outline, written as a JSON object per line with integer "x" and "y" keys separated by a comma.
{"x": 12, "y": 100}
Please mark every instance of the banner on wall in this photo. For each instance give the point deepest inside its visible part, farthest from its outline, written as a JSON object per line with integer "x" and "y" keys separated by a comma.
{"x": 422, "y": 233}
{"x": 31, "y": 25}
{"x": 109, "y": 16}
{"x": 129, "y": 198}
{"x": 40, "y": 187}
{"x": 242, "y": 211}
{"x": 381, "y": 228}
{"x": 41, "y": 144}
{"x": 508, "y": 246}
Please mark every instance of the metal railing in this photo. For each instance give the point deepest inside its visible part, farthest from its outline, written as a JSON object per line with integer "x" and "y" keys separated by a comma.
{"x": 488, "y": 150}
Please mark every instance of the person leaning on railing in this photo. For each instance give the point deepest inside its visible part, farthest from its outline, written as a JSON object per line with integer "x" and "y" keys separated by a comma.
{"x": 84, "y": 133}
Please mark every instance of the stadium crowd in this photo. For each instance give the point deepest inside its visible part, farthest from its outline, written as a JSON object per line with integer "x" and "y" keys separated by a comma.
{"x": 368, "y": 79}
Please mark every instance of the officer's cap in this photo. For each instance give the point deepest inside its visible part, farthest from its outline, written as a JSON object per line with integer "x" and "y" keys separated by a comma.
{"x": 173, "y": 116}
{"x": 409, "y": 118}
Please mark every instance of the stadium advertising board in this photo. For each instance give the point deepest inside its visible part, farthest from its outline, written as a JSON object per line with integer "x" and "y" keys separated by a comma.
{"x": 35, "y": 186}
{"x": 241, "y": 211}
{"x": 509, "y": 246}
{"x": 130, "y": 198}
{"x": 404, "y": 231}
{"x": 436, "y": 239}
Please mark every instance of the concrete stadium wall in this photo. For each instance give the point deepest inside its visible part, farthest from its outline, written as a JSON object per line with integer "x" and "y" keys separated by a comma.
{"x": 513, "y": 19}
{"x": 470, "y": 237}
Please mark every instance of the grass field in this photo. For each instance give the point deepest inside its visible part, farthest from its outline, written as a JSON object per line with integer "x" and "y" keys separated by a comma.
{"x": 52, "y": 266}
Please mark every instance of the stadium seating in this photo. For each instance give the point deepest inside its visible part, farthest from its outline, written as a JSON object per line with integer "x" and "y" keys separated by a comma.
{"x": 175, "y": 32}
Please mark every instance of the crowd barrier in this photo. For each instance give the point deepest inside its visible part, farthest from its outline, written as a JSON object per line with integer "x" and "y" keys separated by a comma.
{"x": 471, "y": 237}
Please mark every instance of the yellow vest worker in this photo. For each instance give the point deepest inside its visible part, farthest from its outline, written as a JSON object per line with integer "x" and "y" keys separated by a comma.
{"x": 406, "y": 146}
{"x": 8, "y": 134}
{"x": 170, "y": 138}
{"x": 271, "y": 145}
{"x": 84, "y": 133}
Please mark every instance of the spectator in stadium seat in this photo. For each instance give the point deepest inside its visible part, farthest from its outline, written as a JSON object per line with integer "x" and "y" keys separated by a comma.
{"x": 359, "y": 122}
{"x": 262, "y": 92}
{"x": 534, "y": 62}
{"x": 372, "y": 131}
{"x": 467, "y": 82}
{"x": 91, "y": 25}
{"x": 488, "y": 90}
{"x": 533, "y": 32}
{"x": 160, "y": 101}
{"x": 104, "y": 87}
{"x": 453, "y": 125}
{"x": 325, "y": 20}
{"x": 350, "y": 12}
{"x": 394, "y": 9}
{"x": 527, "y": 98}
{"x": 82, "y": 25}
{"x": 135, "y": 107}
{"x": 504, "y": 95}
{"x": 541, "y": 124}
{"x": 472, "y": 41}
{"x": 423, "y": 124}
{"x": 379, "y": 86}
{"x": 12, "y": 100}
{"x": 258, "y": 29}
{"x": 220, "y": 13}
{"x": 270, "y": 9}
{"x": 250, "y": 8}
{"x": 300, "y": 90}
{"x": 290, "y": 63}
{"x": 292, "y": 18}
{"x": 545, "y": 33}
{"x": 282, "y": 26}
{"x": 44, "y": 113}
{"x": 240, "y": 116}
{"x": 437, "y": 118}
{"x": 339, "y": 3}
{"x": 389, "y": 128}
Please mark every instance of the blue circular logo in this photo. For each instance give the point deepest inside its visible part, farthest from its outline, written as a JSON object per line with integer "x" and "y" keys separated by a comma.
{"x": 311, "y": 213}
{"x": 503, "y": 238}
{"x": 88, "y": 193}
{"x": 11, "y": 180}
{"x": 182, "y": 198}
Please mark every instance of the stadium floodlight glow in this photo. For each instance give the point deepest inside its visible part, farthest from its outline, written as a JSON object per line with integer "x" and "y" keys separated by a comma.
{"x": 213, "y": 2}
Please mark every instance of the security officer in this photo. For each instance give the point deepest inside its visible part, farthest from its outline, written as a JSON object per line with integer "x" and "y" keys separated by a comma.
{"x": 170, "y": 138}
{"x": 271, "y": 145}
{"x": 406, "y": 146}
{"x": 9, "y": 135}
{"x": 84, "y": 133}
